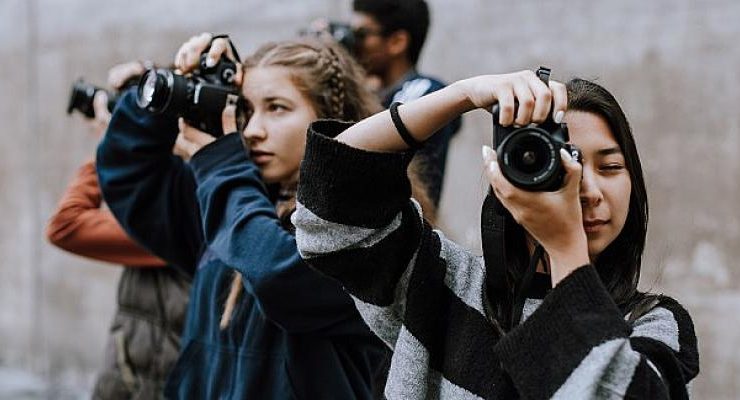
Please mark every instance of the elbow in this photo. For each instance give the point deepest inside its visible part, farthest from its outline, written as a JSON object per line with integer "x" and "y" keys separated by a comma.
{"x": 275, "y": 301}
{"x": 56, "y": 233}
{"x": 62, "y": 235}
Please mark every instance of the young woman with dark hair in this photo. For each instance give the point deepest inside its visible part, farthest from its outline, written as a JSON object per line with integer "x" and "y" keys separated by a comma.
{"x": 583, "y": 329}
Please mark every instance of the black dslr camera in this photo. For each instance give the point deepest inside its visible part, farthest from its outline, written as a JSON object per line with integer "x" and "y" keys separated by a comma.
{"x": 340, "y": 32}
{"x": 199, "y": 98}
{"x": 529, "y": 157}
{"x": 82, "y": 94}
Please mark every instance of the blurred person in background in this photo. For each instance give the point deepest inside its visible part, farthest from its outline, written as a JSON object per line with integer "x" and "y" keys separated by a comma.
{"x": 152, "y": 297}
{"x": 261, "y": 324}
{"x": 389, "y": 37}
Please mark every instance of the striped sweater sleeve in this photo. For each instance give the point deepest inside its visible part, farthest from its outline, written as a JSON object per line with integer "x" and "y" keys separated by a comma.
{"x": 418, "y": 291}
{"x": 355, "y": 223}
{"x": 578, "y": 345}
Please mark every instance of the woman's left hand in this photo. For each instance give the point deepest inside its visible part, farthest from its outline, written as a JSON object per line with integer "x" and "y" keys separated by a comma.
{"x": 554, "y": 219}
{"x": 190, "y": 140}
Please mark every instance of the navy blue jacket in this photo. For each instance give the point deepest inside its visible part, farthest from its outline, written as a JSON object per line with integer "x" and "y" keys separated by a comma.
{"x": 434, "y": 152}
{"x": 294, "y": 333}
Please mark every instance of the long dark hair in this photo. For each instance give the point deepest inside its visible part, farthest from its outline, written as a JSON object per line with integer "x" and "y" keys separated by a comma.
{"x": 619, "y": 264}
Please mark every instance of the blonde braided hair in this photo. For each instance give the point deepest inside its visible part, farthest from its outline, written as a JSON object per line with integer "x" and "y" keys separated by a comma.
{"x": 333, "y": 83}
{"x": 336, "y": 80}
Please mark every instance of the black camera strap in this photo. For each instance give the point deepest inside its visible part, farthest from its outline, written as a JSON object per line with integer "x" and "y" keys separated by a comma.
{"x": 544, "y": 74}
{"x": 520, "y": 294}
{"x": 493, "y": 221}
{"x": 231, "y": 44}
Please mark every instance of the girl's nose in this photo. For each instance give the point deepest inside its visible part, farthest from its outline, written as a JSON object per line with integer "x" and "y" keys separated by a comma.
{"x": 590, "y": 193}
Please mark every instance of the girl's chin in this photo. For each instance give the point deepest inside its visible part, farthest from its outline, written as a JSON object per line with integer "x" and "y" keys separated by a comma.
{"x": 594, "y": 249}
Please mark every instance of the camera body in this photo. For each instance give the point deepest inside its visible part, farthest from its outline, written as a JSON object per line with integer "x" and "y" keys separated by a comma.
{"x": 529, "y": 157}
{"x": 83, "y": 93}
{"x": 199, "y": 98}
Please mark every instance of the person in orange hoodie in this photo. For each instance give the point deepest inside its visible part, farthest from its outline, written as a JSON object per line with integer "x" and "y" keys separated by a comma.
{"x": 145, "y": 333}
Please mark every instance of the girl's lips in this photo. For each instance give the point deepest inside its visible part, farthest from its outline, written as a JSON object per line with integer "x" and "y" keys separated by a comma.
{"x": 260, "y": 157}
{"x": 594, "y": 225}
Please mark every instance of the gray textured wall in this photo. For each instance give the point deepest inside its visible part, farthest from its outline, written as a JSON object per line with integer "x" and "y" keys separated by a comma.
{"x": 672, "y": 64}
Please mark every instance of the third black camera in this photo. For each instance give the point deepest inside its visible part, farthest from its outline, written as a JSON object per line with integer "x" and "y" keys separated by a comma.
{"x": 82, "y": 95}
{"x": 199, "y": 98}
{"x": 340, "y": 32}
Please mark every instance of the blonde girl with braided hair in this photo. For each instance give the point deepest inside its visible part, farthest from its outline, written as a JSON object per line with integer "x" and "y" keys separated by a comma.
{"x": 261, "y": 324}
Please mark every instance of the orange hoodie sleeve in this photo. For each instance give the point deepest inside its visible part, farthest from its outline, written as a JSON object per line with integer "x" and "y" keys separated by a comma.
{"x": 82, "y": 227}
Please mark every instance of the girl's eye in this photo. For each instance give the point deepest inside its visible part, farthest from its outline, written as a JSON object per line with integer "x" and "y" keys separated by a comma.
{"x": 276, "y": 107}
{"x": 612, "y": 167}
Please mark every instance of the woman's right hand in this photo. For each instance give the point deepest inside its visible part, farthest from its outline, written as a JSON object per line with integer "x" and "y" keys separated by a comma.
{"x": 187, "y": 58}
{"x": 534, "y": 98}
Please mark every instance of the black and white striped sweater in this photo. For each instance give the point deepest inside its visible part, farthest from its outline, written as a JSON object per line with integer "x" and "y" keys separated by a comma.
{"x": 424, "y": 296}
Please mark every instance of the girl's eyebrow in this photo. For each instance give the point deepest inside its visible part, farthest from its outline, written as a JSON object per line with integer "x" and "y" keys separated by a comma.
{"x": 270, "y": 99}
{"x": 609, "y": 150}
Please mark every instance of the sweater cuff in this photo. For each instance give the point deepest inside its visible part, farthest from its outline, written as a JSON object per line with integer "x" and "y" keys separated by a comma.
{"x": 348, "y": 185}
{"x": 576, "y": 316}
{"x": 224, "y": 151}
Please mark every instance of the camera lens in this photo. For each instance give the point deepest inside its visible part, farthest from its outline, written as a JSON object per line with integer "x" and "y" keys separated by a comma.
{"x": 529, "y": 159}
{"x": 81, "y": 98}
{"x": 154, "y": 90}
{"x": 529, "y": 155}
{"x": 147, "y": 91}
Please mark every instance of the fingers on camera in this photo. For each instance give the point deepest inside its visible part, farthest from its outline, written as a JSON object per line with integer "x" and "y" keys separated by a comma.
{"x": 559, "y": 100}
{"x": 543, "y": 100}
{"x": 219, "y": 47}
{"x": 526, "y": 101}
{"x": 506, "y": 105}
{"x": 189, "y": 54}
{"x": 228, "y": 118}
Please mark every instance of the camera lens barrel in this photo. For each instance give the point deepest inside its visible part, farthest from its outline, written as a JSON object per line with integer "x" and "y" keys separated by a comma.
{"x": 81, "y": 98}
{"x": 199, "y": 98}
{"x": 155, "y": 89}
{"x": 530, "y": 159}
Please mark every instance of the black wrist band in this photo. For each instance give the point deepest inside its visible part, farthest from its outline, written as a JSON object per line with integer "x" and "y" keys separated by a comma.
{"x": 401, "y": 128}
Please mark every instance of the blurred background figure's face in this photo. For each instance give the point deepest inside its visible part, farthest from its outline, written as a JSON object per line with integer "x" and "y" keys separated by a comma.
{"x": 276, "y": 131}
{"x": 371, "y": 43}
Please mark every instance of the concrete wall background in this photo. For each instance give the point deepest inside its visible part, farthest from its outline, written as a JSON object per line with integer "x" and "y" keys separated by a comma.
{"x": 672, "y": 64}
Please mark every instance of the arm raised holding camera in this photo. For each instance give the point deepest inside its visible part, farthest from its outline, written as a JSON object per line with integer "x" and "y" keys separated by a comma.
{"x": 553, "y": 218}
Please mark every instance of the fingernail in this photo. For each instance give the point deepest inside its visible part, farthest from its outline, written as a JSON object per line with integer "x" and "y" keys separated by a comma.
{"x": 210, "y": 61}
{"x": 492, "y": 166}
{"x": 566, "y": 155}
{"x": 559, "y": 117}
{"x": 487, "y": 153}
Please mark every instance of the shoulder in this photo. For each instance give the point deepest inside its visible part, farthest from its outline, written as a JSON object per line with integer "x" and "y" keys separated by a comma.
{"x": 666, "y": 324}
{"x": 659, "y": 307}
{"x": 418, "y": 86}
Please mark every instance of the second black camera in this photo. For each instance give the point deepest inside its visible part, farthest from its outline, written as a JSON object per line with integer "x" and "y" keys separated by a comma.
{"x": 199, "y": 98}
